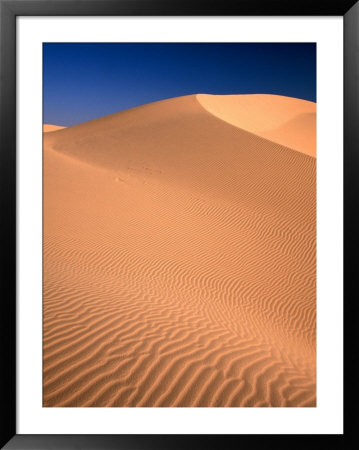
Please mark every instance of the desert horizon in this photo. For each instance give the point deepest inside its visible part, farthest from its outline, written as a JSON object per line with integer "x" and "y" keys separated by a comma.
{"x": 180, "y": 255}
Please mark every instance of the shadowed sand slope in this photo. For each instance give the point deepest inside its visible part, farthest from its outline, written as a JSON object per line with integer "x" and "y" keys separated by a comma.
{"x": 179, "y": 261}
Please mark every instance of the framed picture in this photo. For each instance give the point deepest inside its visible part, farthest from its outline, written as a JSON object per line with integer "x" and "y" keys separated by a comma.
{"x": 173, "y": 197}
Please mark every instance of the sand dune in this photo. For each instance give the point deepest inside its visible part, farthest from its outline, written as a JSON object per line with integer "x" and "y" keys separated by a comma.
{"x": 180, "y": 256}
{"x": 48, "y": 128}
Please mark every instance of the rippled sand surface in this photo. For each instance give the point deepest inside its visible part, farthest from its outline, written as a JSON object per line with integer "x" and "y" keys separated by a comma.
{"x": 180, "y": 255}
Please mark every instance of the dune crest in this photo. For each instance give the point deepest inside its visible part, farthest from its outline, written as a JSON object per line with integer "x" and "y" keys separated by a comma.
{"x": 288, "y": 121}
{"x": 179, "y": 261}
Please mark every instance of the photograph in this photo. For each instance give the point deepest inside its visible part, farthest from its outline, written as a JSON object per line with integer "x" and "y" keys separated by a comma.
{"x": 179, "y": 225}
{"x": 179, "y": 198}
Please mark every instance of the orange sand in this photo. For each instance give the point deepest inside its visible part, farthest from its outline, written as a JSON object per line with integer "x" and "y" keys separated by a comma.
{"x": 180, "y": 255}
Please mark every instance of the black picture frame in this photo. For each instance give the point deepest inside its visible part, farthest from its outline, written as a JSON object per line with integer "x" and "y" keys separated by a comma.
{"x": 9, "y": 10}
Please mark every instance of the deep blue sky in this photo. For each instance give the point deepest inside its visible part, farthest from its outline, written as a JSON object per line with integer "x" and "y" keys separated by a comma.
{"x": 85, "y": 81}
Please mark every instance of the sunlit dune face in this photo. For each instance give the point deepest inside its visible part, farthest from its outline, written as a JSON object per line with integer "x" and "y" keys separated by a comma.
{"x": 180, "y": 256}
{"x": 48, "y": 127}
{"x": 287, "y": 121}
